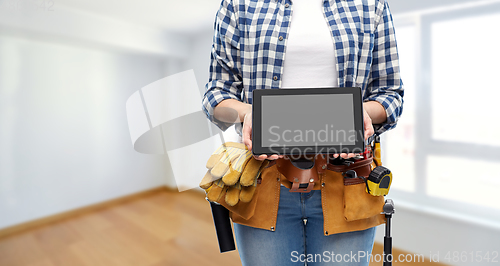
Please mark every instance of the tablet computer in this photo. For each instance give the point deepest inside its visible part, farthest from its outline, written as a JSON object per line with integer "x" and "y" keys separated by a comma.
{"x": 307, "y": 121}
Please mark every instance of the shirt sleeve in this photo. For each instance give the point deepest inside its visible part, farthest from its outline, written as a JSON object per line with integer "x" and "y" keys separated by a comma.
{"x": 385, "y": 84}
{"x": 225, "y": 80}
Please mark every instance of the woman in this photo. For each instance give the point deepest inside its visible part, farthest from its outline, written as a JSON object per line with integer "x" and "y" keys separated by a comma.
{"x": 273, "y": 44}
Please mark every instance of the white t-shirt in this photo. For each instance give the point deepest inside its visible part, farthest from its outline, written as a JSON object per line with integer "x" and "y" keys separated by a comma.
{"x": 309, "y": 56}
{"x": 310, "y": 60}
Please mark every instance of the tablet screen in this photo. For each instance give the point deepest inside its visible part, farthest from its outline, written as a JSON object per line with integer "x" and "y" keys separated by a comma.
{"x": 306, "y": 121}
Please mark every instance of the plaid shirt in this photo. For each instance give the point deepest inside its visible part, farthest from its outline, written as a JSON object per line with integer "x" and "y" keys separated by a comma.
{"x": 249, "y": 49}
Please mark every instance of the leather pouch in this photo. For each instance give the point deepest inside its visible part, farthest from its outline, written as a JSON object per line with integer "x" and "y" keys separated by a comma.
{"x": 264, "y": 197}
{"x": 358, "y": 204}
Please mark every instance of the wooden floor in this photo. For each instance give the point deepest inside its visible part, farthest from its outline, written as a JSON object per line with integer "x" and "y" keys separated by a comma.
{"x": 163, "y": 228}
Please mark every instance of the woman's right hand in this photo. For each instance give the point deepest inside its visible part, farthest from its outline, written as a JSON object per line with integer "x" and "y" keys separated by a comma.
{"x": 234, "y": 111}
{"x": 246, "y": 134}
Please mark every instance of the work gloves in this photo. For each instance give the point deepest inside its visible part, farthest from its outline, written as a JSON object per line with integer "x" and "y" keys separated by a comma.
{"x": 233, "y": 170}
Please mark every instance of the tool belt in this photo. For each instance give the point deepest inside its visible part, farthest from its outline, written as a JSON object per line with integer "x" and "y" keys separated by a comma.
{"x": 303, "y": 173}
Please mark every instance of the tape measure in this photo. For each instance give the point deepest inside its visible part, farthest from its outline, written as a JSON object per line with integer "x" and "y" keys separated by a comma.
{"x": 379, "y": 181}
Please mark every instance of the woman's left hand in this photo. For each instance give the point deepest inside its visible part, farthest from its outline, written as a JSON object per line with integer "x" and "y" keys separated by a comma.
{"x": 368, "y": 124}
{"x": 369, "y": 130}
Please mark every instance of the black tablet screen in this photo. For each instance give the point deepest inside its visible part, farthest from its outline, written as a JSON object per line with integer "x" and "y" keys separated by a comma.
{"x": 308, "y": 120}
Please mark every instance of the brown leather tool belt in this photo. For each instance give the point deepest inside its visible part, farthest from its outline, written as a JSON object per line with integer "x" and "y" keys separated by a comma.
{"x": 303, "y": 173}
{"x": 304, "y": 178}
{"x": 362, "y": 167}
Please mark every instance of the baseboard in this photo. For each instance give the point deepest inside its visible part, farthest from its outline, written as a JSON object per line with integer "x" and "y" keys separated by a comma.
{"x": 79, "y": 211}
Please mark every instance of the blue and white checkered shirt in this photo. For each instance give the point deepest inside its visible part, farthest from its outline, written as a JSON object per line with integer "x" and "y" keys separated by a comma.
{"x": 249, "y": 49}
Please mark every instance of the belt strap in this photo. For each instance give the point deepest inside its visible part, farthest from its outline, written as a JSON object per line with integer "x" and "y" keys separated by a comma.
{"x": 302, "y": 180}
{"x": 359, "y": 167}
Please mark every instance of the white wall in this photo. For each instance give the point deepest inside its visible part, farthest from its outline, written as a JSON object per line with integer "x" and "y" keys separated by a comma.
{"x": 65, "y": 77}
{"x": 64, "y": 137}
{"x": 199, "y": 56}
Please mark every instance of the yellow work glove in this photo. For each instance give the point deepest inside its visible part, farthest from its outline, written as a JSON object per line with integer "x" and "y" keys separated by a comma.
{"x": 232, "y": 169}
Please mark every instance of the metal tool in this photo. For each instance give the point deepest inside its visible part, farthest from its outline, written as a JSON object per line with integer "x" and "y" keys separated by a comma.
{"x": 388, "y": 211}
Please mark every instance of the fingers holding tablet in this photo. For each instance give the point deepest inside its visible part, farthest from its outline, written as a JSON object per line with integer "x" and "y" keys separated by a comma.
{"x": 246, "y": 131}
{"x": 367, "y": 121}
{"x": 246, "y": 135}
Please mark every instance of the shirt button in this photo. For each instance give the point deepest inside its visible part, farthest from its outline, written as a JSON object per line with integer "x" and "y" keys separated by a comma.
{"x": 287, "y": 5}
{"x": 281, "y": 38}
{"x": 275, "y": 78}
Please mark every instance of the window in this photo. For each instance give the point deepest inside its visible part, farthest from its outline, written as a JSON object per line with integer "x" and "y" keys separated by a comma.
{"x": 445, "y": 151}
{"x": 465, "y": 53}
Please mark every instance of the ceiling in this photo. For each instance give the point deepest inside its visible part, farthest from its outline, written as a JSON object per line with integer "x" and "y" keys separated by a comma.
{"x": 177, "y": 16}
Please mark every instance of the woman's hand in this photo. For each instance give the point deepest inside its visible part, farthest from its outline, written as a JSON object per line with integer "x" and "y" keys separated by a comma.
{"x": 367, "y": 124}
{"x": 246, "y": 134}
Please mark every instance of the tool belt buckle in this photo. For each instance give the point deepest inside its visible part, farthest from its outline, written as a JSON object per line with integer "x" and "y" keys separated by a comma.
{"x": 302, "y": 172}
{"x": 302, "y": 187}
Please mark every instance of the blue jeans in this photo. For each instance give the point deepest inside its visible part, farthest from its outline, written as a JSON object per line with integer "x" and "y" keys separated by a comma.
{"x": 299, "y": 239}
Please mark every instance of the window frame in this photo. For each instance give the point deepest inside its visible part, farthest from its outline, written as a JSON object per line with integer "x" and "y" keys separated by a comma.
{"x": 425, "y": 145}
